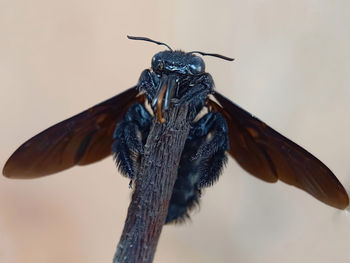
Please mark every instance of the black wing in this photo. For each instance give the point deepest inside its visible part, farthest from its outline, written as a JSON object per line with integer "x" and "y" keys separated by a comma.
{"x": 82, "y": 139}
{"x": 270, "y": 156}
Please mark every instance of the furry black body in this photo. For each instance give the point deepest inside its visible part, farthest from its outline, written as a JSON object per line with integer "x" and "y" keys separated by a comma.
{"x": 176, "y": 78}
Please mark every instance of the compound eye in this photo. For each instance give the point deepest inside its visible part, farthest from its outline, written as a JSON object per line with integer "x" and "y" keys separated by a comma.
{"x": 157, "y": 62}
{"x": 196, "y": 66}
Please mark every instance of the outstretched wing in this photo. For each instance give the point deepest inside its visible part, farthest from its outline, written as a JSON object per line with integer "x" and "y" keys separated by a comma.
{"x": 270, "y": 156}
{"x": 82, "y": 139}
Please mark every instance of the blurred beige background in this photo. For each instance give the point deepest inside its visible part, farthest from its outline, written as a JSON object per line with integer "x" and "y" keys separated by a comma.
{"x": 292, "y": 70}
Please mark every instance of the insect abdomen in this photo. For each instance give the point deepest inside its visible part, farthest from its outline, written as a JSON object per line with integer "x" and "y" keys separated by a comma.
{"x": 185, "y": 196}
{"x": 201, "y": 163}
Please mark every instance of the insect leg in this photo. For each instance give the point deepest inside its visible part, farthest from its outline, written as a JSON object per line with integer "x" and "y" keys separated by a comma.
{"x": 195, "y": 91}
{"x": 129, "y": 137}
{"x": 210, "y": 154}
{"x": 195, "y": 94}
{"x": 148, "y": 82}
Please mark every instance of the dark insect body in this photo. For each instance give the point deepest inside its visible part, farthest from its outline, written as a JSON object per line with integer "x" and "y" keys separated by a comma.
{"x": 120, "y": 126}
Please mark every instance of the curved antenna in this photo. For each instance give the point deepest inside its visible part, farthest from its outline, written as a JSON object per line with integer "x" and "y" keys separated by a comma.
{"x": 213, "y": 55}
{"x": 150, "y": 40}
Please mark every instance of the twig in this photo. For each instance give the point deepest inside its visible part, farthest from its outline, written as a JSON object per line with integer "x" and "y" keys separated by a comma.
{"x": 153, "y": 188}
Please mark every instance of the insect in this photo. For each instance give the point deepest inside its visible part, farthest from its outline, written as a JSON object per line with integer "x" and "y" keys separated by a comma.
{"x": 120, "y": 126}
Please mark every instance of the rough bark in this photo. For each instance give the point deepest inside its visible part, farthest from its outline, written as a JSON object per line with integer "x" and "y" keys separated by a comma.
{"x": 153, "y": 188}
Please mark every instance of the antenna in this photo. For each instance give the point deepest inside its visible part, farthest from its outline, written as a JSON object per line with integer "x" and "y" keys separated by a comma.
{"x": 161, "y": 43}
{"x": 150, "y": 40}
{"x": 213, "y": 55}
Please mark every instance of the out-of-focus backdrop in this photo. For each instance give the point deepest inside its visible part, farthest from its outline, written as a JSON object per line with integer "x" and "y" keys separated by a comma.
{"x": 292, "y": 70}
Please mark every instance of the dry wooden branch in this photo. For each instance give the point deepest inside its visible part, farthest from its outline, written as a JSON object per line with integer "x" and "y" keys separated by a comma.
{"x": 156, "y": 177}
